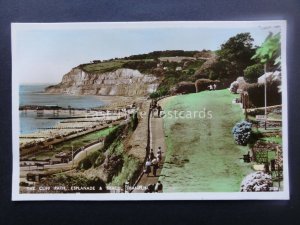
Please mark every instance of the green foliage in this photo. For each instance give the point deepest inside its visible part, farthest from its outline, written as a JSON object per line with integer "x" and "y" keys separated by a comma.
{"x": 129, "y": 171}
{"x": 134, "y": 121}
{"x": 253, "y": 72}
{"x": 168, "y": 53}
{"x": 102, "y": 67}
{"x": 202, "y": 84}
{"x": 171, "y": 79}
{"x": 161, "y": 91}
{"x": 242, "y": 132}
{"x": 191, "y": 71}
{"x": 113, "y": 136}
{"x": 269, "y": 50}
{"x": 76, "y": 143}
{"x": 143, "y": 66}
{"x": 256, "y": 94}
{"x": 235, "y": 55}
{"x": 90, "y": 160}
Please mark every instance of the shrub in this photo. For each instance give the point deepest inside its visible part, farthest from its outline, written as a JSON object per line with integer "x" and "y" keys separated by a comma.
{"x": 257, "y": 92}
{"x": 202, "y": 84}
{"x": 253, "y": 72}
{"x": 256, "y": 182}
{"x": 113, "y": 136}
{"x": 160, "y": 92}
{"x": 184, "y": 87}
{"x": 89, "y": 161}
{"x": 142, "y": 66}
{"x": 85, "y": 164}
{"x": 242, "y": 132}
{"x": 234, "y": 87}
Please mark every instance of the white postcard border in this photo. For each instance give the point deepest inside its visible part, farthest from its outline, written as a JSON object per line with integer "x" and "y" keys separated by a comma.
{"x": 16, "y": 196}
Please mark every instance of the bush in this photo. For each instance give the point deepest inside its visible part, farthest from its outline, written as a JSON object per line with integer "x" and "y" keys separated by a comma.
{"x": 184, "y": 87}
{"x": 89, "y": 161}
{"x": 202, "y": 84}
{"x": 242, "y": 132}
{"x": 142, "y": 66}
{"x": 160, "y": 92}
{"x": 257, "y": 92}
{"x": 113, "y": 136}
{"x": 234, "y": 87}
{"x": 253, "y": 72}
{"x": 256, "y": 182}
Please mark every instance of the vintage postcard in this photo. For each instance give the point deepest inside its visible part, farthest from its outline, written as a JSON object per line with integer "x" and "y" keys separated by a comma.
{"x": 150, "y": 111}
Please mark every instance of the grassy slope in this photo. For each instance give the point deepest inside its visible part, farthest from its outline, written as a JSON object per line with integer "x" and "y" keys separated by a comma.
{"x": 103, "y": 66}
{"x": 201, "y": 154}
{"x": 76, "y": 143}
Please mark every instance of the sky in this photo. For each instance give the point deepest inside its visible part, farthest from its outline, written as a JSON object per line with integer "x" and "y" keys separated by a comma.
{"x": 43, "y": 53}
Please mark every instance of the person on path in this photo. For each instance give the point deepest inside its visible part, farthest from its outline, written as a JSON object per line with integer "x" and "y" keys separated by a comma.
{"x": 150, "y": 188}
{"x": 159, "y": 158}
{"x": 151, "y": 155}
{"x": 158, "y": 187}
{"x": 159, "y": 155}
{"x": 155, "y": 167}
{"x": 158, "y": 110}
{"x": 148, "y": 167}
{"x": 159, "y": 150}
{"x": 215, "y": 87}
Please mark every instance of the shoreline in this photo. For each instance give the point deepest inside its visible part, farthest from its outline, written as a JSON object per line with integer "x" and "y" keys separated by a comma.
{"x": 71, "y": 120}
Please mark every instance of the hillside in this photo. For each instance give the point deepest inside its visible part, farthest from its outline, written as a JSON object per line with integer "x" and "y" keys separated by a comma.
{"x": 136, "y": 75}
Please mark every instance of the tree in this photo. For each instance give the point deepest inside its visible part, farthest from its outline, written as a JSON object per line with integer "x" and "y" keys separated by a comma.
{"x": 253, "y": 72}
{"x": 236, "y": 54}
{"x": 231, "y": 60}
{"x": 269, "y": 52}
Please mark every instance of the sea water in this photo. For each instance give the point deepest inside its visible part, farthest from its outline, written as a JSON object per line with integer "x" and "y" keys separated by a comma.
{"x": 35, "y": 95}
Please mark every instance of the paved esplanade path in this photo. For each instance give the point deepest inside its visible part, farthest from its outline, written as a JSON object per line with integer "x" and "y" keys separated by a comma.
{"x": 157, "y": 139}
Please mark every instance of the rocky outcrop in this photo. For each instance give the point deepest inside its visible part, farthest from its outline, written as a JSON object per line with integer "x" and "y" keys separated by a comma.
{"x": 122, "y": 82}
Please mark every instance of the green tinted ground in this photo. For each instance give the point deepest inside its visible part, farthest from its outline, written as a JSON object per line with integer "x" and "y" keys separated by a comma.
{"x": 108, "y": 66}
{"x": 76, "y": 143}
{"x": 103, "y": 66}
{"x": 201, "y": 154}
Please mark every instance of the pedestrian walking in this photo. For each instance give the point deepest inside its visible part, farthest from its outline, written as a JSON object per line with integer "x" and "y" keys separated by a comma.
{"x": 159, "y": 158}
{"x": 151, "y": 155}
{"x": 159, "y": 150}
{"x": 148, "y": 167}
{"x": 215, "y": 87}
{"x": 158, "y": 110}
{"x": 155, "y": 167}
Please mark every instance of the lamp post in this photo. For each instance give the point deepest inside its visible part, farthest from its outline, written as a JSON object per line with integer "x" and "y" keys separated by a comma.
{"x": 265, "y": 70}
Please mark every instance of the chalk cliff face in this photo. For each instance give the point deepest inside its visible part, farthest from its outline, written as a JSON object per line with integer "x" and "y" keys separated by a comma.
{"x": 124, "y": 82}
